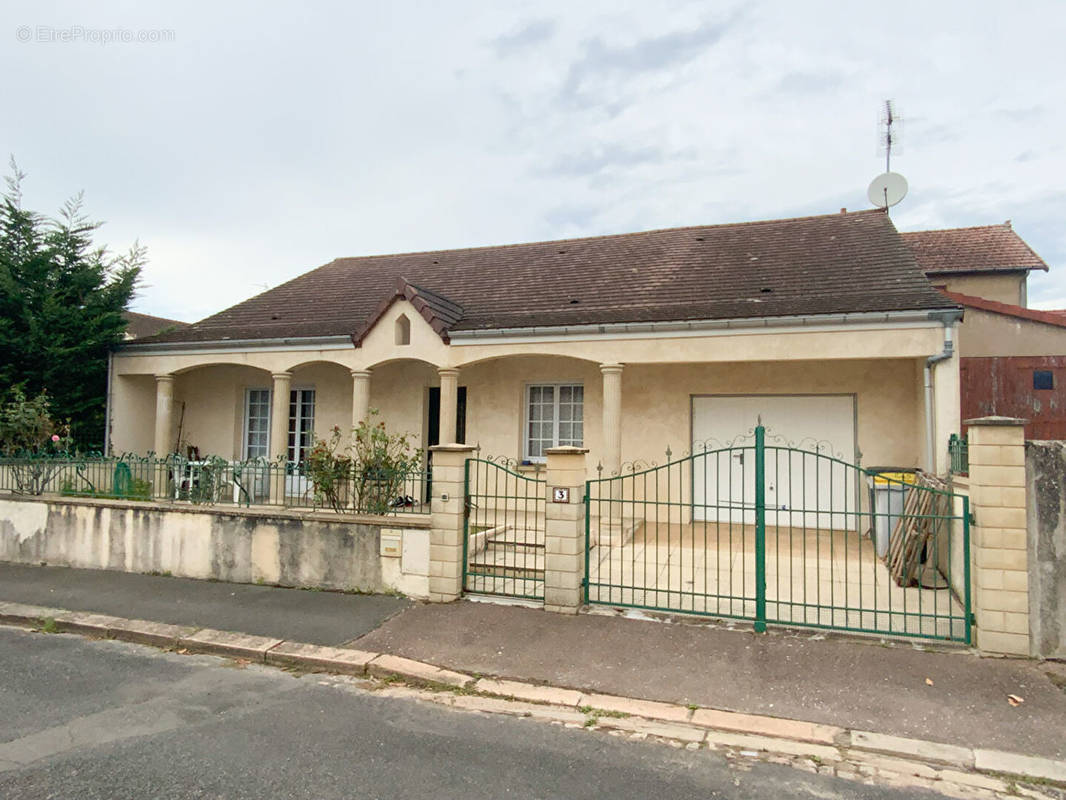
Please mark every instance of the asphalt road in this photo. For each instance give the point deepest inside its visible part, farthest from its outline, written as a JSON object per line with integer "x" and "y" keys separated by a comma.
{"x": 102, "y": 719}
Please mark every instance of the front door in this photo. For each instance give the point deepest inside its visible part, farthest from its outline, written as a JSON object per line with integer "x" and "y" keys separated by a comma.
{"x": 433, "y": 429}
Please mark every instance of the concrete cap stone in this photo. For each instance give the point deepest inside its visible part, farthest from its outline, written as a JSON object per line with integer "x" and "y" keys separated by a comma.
{"x": 1018, "y": 764}
{"x": 242, "y": 645}
{"x": 333, "y": 659}
{"x": 529, "y": 691}
{"x": 1000, "y": 421}
{"x": 20, "y": 612}
{"x": 86, "y": 622}
{"x": 917, "y": 748}
{"x": 142, "y": 631}
{"x": 415, "y": 671}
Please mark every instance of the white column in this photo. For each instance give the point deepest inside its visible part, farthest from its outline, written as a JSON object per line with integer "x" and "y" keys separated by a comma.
{"x": 360, "y": 396}
{"x": 164, "y": 406}
{"x": 612, "y": 417}
{"x": 449, "y": 403}
{"x": 279, "y": 415}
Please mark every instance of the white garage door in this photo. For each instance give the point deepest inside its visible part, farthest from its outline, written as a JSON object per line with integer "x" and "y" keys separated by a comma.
{"x": 802, "y": 490}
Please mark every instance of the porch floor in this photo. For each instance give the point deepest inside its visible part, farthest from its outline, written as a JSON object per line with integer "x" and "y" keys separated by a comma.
{"x": 813, "y": 577}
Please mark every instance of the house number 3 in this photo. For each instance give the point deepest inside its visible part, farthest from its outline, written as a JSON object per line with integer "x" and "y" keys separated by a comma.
{"x": 561, "y": 494}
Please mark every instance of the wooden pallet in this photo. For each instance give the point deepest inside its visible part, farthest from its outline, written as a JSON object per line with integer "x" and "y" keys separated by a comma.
{"x": 916, "y": 529}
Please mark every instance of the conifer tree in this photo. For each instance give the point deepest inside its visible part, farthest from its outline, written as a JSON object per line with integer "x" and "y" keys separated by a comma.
{"x": 62, "y": 300}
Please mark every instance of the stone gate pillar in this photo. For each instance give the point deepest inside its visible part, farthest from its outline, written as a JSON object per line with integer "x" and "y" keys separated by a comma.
{"x": 999, "y": 541}
{"x": 447, "y": 508}
{"x": 564, "y": 538}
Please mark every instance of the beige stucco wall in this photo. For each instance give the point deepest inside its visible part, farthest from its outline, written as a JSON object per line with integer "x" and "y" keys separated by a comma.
{"x": 291, "y": 549}
{"x": 132, "y": 413}
{"x": 656, "y": 402}
{"x": 213, "y": 402}
{"x": 656, "y": 405}
{"x": 1004, "y": 288}
{"x": 660, "y": 375}
{"x": 984, "y": 334}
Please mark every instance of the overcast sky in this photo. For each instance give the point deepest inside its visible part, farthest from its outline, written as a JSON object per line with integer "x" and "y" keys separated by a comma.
{"x": 253, "y": 143}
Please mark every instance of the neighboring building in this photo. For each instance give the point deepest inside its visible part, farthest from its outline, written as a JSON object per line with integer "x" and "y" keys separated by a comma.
{"x": 626, "y": 344}
{"x": 1012, "y": 357}
{"x": 989, "y": 261}
{"x": 140, "y": 325}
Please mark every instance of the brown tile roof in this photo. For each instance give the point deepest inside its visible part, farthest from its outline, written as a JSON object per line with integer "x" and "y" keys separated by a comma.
{"x": 140, "y": 325}
{"x": 1056, "y": 318}
{"x": 440, "y": 312}
{"x": 987, "y": 248}
{"x": 838, "y": 263}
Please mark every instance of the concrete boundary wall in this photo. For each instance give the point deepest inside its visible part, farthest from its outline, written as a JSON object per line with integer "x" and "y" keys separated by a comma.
{"x": 317, "y": 550}
{"x": 1045, "y": 473}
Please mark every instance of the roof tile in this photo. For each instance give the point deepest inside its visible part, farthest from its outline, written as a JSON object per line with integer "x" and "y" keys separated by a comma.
{"x": 832, "y": 264}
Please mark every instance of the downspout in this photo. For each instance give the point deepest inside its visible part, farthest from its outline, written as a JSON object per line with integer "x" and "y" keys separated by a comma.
{"x": 930, "y": 423}
{"x": 107, "y": 407}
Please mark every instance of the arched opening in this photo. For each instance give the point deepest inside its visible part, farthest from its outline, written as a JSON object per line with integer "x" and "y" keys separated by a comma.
{"x": 403, "y": 330}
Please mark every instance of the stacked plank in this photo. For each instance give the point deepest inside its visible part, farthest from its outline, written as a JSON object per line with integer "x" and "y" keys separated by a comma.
{"x": 916, "y": 530}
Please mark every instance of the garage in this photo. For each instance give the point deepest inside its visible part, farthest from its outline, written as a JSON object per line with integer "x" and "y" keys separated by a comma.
{"x": 801, "y": 490}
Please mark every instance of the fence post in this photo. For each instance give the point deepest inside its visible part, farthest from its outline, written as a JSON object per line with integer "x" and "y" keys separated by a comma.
{"x": 760, "y": 529}
{"x": 1000, "y": 546}
{"x": 448, "y": 512}
{"x": 564, "y": 532}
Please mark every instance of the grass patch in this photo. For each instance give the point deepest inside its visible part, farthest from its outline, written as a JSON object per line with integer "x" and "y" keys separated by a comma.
{"x": 47, "y": 625}
{"x": 595, "y": 714}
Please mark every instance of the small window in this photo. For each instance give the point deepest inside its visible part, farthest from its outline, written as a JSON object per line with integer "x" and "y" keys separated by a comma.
{"x": 554, "y": 418}
{"x": 403, "y": 330}
{"x": 1043, "y": 379}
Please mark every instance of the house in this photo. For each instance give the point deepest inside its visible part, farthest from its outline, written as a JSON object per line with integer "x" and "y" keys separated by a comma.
{"x": 989, "y": 261}
{"x": 824, "y": 328}
{"x": 1012, "y": 357}
{"x": 140, "y": 325}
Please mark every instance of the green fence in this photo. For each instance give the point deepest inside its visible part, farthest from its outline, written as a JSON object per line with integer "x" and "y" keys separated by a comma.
{"x": 762, "y": 530}
{"x": 503, "y": 530}
{"x": 959, "y": 454}
{"x": 216, "y": 481}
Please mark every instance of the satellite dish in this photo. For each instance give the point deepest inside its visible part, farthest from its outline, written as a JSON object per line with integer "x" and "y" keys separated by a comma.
{"x": 887, "y": 189}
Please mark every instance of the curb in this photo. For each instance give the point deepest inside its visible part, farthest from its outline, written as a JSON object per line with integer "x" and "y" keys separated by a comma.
{"x": 687, "y": 724}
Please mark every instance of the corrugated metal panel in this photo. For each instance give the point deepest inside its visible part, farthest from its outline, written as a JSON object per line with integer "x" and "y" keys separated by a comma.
{"x": 1003, "y": 386}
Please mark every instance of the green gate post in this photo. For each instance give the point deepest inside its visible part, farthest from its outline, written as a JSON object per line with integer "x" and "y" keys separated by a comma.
{"x": 760, "y": 529}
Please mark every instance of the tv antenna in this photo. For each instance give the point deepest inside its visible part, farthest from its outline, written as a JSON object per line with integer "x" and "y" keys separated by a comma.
{"x": 890, "y": 187}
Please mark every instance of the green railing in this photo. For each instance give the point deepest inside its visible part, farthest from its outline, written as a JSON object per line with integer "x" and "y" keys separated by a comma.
{"x": 216, "y": 481}
{"x": 959, "y": 454}
{"x": 504, "y": 528}
{"x": 770, "y": 531}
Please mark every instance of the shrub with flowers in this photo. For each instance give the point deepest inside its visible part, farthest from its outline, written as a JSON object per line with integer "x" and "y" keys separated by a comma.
{"x": 367, "y": 474}
{"x": 27, "y": 431}
{"x": 27, "y": 426}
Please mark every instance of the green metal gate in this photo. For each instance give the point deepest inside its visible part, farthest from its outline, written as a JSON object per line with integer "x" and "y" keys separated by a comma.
{"x": 503, "y": 531}
{"x": 779, "y": 533}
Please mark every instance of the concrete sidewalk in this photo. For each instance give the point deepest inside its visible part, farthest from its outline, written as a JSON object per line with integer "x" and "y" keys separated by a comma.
{"x": 831, "y": 680}
{"x": 846, "y": 682}
{"x": 324, "y": 618}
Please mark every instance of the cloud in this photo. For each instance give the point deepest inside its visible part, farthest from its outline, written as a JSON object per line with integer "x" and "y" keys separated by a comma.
{"x": 588, "y": 78}
{"x": 599, "y": 159}
{"x": 533, "y": 32}
{"x": 808, "y": 82}
{"x": 571, "y": 217}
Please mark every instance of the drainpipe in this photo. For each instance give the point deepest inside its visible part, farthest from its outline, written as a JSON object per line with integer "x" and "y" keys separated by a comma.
{"x": 930, "y": 423}
{"x": 107, "y": 408}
